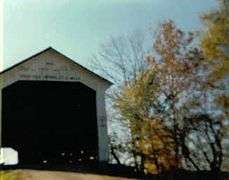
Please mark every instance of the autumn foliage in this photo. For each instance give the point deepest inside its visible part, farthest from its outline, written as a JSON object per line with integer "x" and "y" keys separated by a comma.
{"x": 215, "y": 41}
{"x": 160, "y": 105}
{"x": 175, "y": 103}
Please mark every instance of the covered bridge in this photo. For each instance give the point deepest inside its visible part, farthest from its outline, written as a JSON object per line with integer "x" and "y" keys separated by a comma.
{"x": 53, "y": 111}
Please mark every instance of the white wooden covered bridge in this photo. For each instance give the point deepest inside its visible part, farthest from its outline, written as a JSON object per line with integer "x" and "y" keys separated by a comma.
{"x": 53, "y": 110}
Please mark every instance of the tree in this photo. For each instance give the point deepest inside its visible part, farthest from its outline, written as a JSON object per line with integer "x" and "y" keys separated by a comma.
{"x": 165, "y": 100}
{"x": 184, "y": 85}
{"x": 215, "y": 45}
{"x": 152, "y": 142}
{"x": 215, "y": 41}
{"x": 176, "y": 68}
{"x": 168, "y": 95}
{"x": 120, "y": 60}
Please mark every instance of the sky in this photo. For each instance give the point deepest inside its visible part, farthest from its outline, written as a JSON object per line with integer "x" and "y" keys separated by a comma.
{"x": 77, "y": 28}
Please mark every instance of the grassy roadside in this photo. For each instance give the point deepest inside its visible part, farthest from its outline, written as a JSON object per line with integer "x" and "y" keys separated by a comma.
{"x": 9, "y": 175}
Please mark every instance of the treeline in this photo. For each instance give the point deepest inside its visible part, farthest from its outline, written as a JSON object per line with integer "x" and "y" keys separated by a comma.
{"x": 173, "y": 98}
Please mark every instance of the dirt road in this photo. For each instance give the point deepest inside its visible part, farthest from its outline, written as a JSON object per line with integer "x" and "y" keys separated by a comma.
{"x": 52, "y": 175}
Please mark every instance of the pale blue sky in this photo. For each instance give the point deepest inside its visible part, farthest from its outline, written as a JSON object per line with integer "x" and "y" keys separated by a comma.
{"x": 78, "y": 27}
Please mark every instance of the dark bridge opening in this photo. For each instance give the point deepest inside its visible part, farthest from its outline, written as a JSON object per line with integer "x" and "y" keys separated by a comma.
{"x": 50, "y": 122}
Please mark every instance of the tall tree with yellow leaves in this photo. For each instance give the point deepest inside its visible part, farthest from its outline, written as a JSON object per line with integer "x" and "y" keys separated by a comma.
{"x": 151, "y": 141}
{"x": 215, "y": 41}
{"x": 215, "y": 46}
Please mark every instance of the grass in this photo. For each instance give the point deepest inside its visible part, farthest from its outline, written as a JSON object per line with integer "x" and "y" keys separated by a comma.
{"x": 9, "y": 175}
